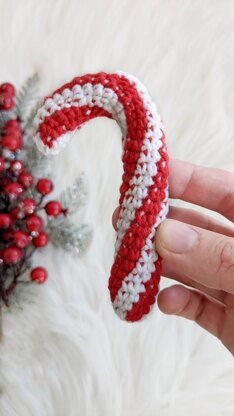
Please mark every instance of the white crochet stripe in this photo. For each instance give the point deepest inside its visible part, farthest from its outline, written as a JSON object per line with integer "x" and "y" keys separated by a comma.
{"x": 133, "y": 284}
{"x": 107, "y": 99}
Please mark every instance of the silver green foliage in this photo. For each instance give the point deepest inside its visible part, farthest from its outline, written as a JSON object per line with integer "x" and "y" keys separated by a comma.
{"x": 71, "y": 237}
{"x": 74, "y": 196}
{"x": 27, "y": 98}
{"x": 64, "y": 233}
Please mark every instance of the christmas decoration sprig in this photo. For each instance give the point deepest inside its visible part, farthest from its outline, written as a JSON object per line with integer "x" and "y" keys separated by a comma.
{"x": 28, "y": 220}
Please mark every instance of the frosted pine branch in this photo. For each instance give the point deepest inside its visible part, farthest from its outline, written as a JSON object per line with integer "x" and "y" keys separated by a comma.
{"x": 27, "y": 125}
{"x": 73, "y": 196}
{"x": 70, "y": 237}
{"x": 27, "y": 97}
{"x": 39, "y": 164}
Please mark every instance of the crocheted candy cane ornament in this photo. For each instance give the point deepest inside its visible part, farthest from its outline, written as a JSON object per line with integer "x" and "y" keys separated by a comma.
{"x": 135, "y": 274}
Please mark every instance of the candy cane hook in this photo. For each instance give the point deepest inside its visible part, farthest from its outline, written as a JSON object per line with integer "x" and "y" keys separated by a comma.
{"x": 135, "y": 274}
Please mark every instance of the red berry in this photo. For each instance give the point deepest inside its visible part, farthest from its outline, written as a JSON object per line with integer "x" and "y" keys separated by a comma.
{"x": 14, "y": 189}
{"x": 41, "y": 240}
{"x": 12, "y": 142}
{"x": 21, "y": 238}
{"x": 26, "y": 179}
{"x": 12, "y": 255}
{"x": 39, "y": 275}
{"x": 6, "y": 101}
{"x": 2, "y": 164}
{"x": 12, "y": 124}
{"x": 53, "y": 208}
{"x": 44, "y": 186}
{"x": 5, "y": 220}
{"x": 35, "y": 223}
{"x": 16, "y": 167}
{"x": 7, "y": 88}
{"x": 17, "y": 213}
{"x": 28, "y": 206}
{"x": 12, "y": 131}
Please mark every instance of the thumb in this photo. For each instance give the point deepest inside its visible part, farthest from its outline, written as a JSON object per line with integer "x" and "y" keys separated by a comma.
{"x": 201, "y": 255}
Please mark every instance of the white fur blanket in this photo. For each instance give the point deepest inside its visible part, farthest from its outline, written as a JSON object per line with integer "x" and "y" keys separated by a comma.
{"x": 65, "y": 352}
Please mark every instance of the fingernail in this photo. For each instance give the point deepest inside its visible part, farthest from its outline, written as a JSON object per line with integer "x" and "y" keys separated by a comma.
{"x": 176, "y": 237}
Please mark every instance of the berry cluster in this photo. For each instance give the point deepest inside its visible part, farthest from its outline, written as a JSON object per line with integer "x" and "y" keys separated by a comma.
{"x": 7, "y": 92}
{"x": 22, "y": 229}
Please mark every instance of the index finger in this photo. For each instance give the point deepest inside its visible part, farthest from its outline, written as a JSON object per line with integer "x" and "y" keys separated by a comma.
{"x": 207, "y": 187}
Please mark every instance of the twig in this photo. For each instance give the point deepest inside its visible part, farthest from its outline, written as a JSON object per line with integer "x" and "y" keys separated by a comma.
{"x": 1, "y": 330}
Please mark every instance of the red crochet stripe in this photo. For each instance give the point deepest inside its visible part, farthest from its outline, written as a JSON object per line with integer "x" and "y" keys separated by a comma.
{"x": 135, "y": 236}
{"x": 66, "y": 120}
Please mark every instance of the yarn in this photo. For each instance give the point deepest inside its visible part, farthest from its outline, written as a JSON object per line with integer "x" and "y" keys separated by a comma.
{"x": 135, "y": 274}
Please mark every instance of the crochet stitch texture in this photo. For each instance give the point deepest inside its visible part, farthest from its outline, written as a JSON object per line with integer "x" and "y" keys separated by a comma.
{"x": 135, "y": 274}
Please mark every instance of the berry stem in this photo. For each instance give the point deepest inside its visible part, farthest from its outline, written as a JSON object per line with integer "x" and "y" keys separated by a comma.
{"x": 39, "y": 206}
{"x": 4, "y": 295}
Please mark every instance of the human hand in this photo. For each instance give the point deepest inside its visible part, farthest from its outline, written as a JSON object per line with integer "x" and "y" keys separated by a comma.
{"x": 198, "y": 251}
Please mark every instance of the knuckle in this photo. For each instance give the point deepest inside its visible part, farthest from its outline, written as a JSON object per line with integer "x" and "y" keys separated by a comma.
{"x": 225, "y": 257}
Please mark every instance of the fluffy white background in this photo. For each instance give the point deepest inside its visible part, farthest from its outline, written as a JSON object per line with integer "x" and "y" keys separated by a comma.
{"x": 65, "y": 353}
